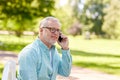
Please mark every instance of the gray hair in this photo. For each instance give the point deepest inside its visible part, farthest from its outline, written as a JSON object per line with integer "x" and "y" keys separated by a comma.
{"x": 44, "y": 22}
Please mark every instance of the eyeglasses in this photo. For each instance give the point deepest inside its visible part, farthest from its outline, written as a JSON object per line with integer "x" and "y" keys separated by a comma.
{"x": 52, "y": 30}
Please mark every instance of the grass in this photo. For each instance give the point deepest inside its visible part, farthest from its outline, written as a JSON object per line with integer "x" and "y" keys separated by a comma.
{"x": 98, "y": 54}
{"x": 13, "y": 43}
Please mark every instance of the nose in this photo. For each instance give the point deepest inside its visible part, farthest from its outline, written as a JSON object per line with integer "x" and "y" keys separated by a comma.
{"x": 56, "y": 32}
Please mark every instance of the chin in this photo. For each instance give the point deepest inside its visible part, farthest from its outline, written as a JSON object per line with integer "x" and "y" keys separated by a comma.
{"x": 52, "y": 42}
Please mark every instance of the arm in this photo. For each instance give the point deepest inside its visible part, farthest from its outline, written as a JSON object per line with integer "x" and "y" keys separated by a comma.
{"x": 65, "y": 63}
{"x": 27, "y": 65}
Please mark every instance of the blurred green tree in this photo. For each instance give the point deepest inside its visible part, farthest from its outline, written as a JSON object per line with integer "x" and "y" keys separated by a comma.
{"x": 19, "y": 15}
{"x": 112, "y": 19}
{"x": 90, "y": 14}
{"x": 64, "y": 14}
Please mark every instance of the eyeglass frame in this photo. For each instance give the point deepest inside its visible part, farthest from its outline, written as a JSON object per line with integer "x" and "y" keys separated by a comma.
{"x": 52, "y": 30}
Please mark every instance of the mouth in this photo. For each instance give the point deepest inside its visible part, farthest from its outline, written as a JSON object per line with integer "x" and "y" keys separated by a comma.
{"x": 54, "y": 37}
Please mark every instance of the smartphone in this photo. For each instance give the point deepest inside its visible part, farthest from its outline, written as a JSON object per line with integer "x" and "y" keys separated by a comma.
{"x": 60, "y": 38}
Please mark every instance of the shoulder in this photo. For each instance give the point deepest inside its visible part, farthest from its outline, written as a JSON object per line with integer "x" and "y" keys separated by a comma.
{"x": 28, "y": 52}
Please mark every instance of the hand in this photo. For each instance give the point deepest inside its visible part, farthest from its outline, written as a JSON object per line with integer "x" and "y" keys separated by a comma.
{"x": 64, "y": 43}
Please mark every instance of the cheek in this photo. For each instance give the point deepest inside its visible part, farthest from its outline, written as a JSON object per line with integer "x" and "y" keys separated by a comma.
{"x": 47, "y": 35}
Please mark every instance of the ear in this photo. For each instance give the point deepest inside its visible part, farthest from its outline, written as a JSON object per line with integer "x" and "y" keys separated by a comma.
{"x": 40, "y": 30}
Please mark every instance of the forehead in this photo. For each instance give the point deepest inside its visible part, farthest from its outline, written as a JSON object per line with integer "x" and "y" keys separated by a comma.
{"x": 53, "y": 23}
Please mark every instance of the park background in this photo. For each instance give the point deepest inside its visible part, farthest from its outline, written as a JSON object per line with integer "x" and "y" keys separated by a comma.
{"x": 93, "y": 28}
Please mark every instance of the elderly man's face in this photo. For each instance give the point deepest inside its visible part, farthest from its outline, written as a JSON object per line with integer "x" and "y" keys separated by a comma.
{"x": 51, "y": 32}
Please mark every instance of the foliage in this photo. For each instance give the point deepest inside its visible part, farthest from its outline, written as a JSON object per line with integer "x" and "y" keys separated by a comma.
{"x": 75, "y": 29}
{"x": 112, "y": 19}
{"x": 64, "y": 14}
{"x": 91, "y": 14}
{"x": 99, "y": 16}
{"x": 18, "y": 15}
